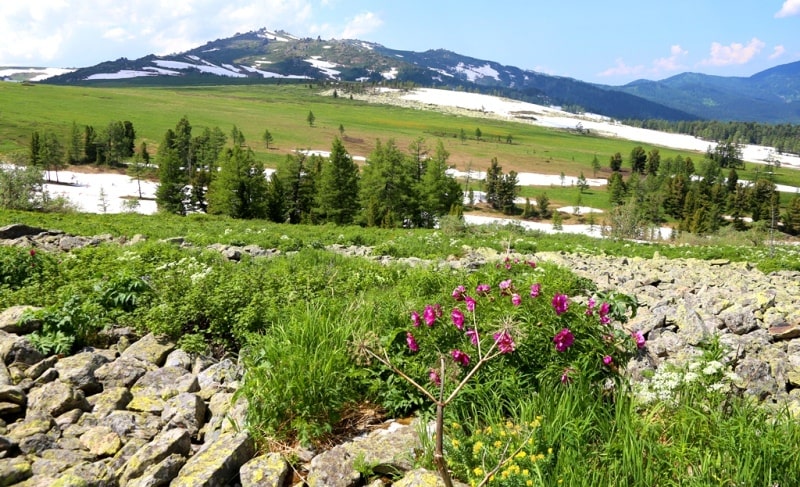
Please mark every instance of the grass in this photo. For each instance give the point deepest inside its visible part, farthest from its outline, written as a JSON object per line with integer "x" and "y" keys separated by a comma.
{"x": 298, "y": 318}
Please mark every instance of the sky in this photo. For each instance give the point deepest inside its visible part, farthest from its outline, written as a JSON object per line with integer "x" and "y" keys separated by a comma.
{"x": 611, "y": 42}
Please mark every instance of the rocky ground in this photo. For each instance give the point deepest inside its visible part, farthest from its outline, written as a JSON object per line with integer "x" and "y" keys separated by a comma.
{"x": 142, "y": 413}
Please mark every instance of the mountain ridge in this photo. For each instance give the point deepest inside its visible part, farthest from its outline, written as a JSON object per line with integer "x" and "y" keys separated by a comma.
{"x": 771, "y": 96}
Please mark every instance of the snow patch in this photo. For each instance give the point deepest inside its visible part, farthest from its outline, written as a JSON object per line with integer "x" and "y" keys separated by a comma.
{"x": 474, "y": 72}
{"x": 44, "y": 72}
{"x": 391, "y": 74}
{"x": 204, "y": 68}
{"x": 324, "y": 66}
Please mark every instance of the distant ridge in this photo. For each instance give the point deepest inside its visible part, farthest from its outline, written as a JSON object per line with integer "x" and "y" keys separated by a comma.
{"x": 264, "y": 56}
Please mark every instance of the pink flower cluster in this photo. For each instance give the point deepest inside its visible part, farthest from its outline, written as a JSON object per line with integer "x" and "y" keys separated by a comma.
{"x": 560, "y": 303}
{"x": 563, "y": 339}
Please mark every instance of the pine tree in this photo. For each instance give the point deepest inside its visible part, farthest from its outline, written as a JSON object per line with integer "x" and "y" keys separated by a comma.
{"x": 438, "y": 192}
{"x": 557, "y": 221}
{"x": 494, "y": 176}
{"x": 171, "y": 189}
{"x": 337, "y": 189}
{"x": 387, "y": 192}
{"x": 616, "y": 189}
{"x": 239, "y": 189}
{"x": 543, "y": 205}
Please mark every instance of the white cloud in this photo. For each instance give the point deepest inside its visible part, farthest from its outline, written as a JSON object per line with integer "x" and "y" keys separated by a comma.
{"x": 622, "y": 69}
{"x": 671, "y": 63}
{"x": 789, "y": 8}
{"x": 734, "y": 53}
{"x": 63, "y": 32}
{"x": 777, "y": 52}
{"x": 361, "y": 24}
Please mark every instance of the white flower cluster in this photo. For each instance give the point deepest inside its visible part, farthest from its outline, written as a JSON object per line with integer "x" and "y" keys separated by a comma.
{"x": 667, "y": 381}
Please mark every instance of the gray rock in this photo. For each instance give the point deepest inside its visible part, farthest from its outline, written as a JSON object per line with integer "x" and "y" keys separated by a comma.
{"x": 36, "y": 370}
{"x": 179, "y": 358}
{"x": 122, "y": 372}
{"x": 10, "y": 320}
{"x": 160, "y": 474}
{"x": 186, "y": 410}
{"x": 13, "y": 470}
{"x": 269, "y": 470}
{"x": 78, "y": 370}
{"x": 16, "y": 349}
{"x": 36, "y": 443}
{"x": 101, "y": 441}
{"x": 224, "y": 373}
{"x": 95, "y": 474}
{"x": 217, "y": 463}
{"x": 56, "y": 398}
{"x": 111, "y": 399}
{"x": 174, "y": 441}
{"x": 151, "y": 349}
{"x": 17, "y": 230}
{"x": 740, "y": 320}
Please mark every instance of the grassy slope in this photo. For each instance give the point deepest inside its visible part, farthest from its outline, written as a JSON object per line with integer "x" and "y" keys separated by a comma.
{"x": 283, "y": 111}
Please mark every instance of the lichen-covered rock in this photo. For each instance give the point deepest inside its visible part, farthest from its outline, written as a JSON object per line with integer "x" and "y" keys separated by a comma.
{"x": 11, "y": 320}
{"x": 220, "y": 375}
{"x": 186, "y": 410}
{"x": 13, "y": 470}
{"x": 101, "y": 441}
{"x": 269, "y": 470}
{"x": 218, "y": 463}
{"x": 55, "y": 398}
{"x": 160, "y": 474}
{"x": 111, "y": 399}
{"x": 151, "y": 349}
{"x": 78, "y": 370}
{"x": 18, "y": 349}
{"x": 95, "y": 474}
{"x": 179, "y": 358}
{"x": 122, "y": 372}
{"x": 333, "y": 468}
{"x": 174, "y": 441}
{"x": 33, "y": 424}
{"x": 420, "y": 478}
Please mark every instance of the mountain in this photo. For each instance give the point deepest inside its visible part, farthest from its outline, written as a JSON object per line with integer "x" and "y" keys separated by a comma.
{"x": 266, "y": 56}
{"x": 771, "y": 96}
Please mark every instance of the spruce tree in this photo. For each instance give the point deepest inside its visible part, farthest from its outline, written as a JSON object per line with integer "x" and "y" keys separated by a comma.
{"x": 438, "y": 192}
{"x": 239, "y": 189}
{"x": 171, "y": 189}
{"x": 337, "y": 189}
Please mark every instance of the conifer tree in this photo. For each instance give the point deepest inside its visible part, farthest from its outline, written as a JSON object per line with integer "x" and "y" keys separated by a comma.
{"x": 387, "y": 192}
{"x": 337, "y": 189}
{"x": 171, "y": 189}
{"x": 439, "y": 193}
{"x": 239, "y": 190}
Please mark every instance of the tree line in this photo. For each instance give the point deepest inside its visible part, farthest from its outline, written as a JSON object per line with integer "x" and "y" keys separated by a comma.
{"x": 204, "y": 173}
{"x": 785, "y": 138}
{"x": 701, "y": 198}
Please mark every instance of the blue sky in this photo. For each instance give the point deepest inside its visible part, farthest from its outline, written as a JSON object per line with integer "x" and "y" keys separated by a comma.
{"x": 611, "y": 42}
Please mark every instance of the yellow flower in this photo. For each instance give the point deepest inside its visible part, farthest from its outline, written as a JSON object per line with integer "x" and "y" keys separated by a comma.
{"x": 521, "y": 454}
{"x": 560, "y": 481}
{"x": 456, "y": 426}
{"x": 539, "y": 457}
{"x": 525, "y": 473}
{"x": 549, "y": 451}
{"x": 488, "y": 430}
{"x": 529, "y": 482}
{"x": 498, "y": 444}
{"x": 478, "y": 446}
{"x": 503, "y": 433}
{"x": 509, "y": 424}
{"x": 478, "y": 471}
{"x": 455, "y": 443}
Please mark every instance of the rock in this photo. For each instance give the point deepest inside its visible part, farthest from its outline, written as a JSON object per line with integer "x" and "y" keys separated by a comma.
{"x": 36, "y": 370}
{"x": 111, "y": 399}
{"x": 13, "y": 394}
{"x": 17, "y": 230}
{"x": 95, "y": 474}
{"x": 36, "y": 443}
{"x": 170, "y": 442}
{"x": 13, "y": 470}
{"x": 219, "y": 375}
{"x": 10, "y": 320}
{"x": 217, "y": 463}
{"x": 55, "y": 398}
{"x": 160, "y": 474}
{"x": 101, "y": 441}
{"x": 740, "y": 320}
{"x": 32, "y": 425}
{"x": 186, "y": 410}
{"x": 122, "y": 372}
{"x": 16, "y": 349}
{"x": 269, "y": 470}
{"x": 784, "y": 332}
{"x": 150, "y": 349}
{"x": 179, "y": 358}
{"x": 419, "y": 477}
{"x": 78, "y": 370}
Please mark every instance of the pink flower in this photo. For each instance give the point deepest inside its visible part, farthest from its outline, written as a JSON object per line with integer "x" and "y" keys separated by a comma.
{"x": 565, "y": 378}
{"x": 458, "y": 318}
{"x": 605, "y": 319}
{"x": 412, "y": 343}
{"x": 505, "y": 286}
{"x": 590, "y": 307}
{"x": 638, "y": 338}
{"x": 483, "y": 289}
{"x": 563, "y": 339}
{"x": 460, "y": 357}
{"x": 470, "y": 303}
{"x": 536, "y": 289}
{"x": 515, "y": 299}
{"x": 33, "y": 252}
{"x": 608, "y": 360}
{"x": 473, "y": 336}
{"x": 504, "y": 342}
{"x": 604, "y": 308}
{"x": 429, "y": 315}
{"x": 434, "y": 377}
{"x": 415, "y": 319}
{"x": 458, "y": 293}
{"x": 560, "y": 303}
{"x": 532, "y": 264}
